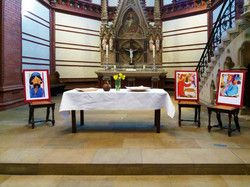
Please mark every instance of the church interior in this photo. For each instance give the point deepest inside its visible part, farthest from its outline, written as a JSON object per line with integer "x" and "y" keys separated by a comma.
{"x": 124, "y": 93}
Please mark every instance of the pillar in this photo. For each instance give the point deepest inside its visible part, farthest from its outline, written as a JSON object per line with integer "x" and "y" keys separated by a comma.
{"x": 11, "y": 87}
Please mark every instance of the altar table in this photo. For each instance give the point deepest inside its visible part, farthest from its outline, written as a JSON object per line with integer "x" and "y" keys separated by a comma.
{"x": 116, "y": 100}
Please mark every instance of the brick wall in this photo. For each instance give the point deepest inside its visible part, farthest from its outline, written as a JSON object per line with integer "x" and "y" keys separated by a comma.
{"x": 11, "y": 88}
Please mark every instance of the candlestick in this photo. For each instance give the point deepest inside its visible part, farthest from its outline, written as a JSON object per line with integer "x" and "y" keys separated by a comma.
{"x": 153, "y": 51}
{"x": 107, "y": 51}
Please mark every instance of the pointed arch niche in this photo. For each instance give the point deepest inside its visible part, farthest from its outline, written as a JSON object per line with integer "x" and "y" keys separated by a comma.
{"x": 131, "y": 35}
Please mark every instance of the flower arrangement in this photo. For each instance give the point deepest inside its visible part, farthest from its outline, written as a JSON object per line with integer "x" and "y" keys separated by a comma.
{"x": 118, "y": 78}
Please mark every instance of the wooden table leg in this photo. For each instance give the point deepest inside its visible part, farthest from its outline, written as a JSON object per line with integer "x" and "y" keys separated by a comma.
{"x": 229, "y": 124}
{"x": 236, "y": 120}
{"x": 32, "y": 118}
{"x": 209, "y": 120}
{"x": 179, "y": 120}
{"x": 53, "y": 114}
{"x": 158, "y": 120}
{"x": 47, "y": 114}
{"x": 29, "y": 115}
{"x": 82, "y": 117}
{"x": 195, "y": 115}
{"x": 219, "y": 119}
{"x": 73, "y": 114}
{"x": 199, "y": 116}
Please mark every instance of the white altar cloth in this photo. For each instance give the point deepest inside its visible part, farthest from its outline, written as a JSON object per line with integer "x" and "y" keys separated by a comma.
{"x": 116, "y": 100}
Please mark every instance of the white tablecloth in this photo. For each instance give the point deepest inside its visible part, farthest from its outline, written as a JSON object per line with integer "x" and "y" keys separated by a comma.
{"x": 116, "y": 100}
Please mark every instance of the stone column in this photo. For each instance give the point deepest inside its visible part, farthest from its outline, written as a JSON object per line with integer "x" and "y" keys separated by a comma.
{"x": 104, "y": 17}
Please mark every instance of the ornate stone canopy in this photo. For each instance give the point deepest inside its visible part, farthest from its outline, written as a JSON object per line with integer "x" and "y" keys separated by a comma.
{"x": 130, "y": 36}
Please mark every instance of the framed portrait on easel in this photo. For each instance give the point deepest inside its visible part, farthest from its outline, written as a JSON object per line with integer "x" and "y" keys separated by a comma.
{"x": 36, "y": 85}
{"x": 186, "y": 85}
{"x": 231, "y": 88}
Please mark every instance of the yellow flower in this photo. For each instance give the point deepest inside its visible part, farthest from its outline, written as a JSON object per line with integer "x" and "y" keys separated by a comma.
{"x": 115, "y": 77}
{"x": 119, "y": 76}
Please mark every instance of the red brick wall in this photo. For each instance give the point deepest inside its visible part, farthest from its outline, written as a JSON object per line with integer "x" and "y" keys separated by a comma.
{"x": 1, "y": 49}
{"x": 11, "y": 88}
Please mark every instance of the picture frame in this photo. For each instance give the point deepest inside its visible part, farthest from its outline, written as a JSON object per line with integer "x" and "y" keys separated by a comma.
{"x": 230, "y": 88}
{"x": 36, "y": 85}
{"x": 186, "y": 85}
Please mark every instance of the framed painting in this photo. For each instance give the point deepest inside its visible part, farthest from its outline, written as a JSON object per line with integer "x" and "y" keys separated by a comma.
{"x": 230, "y": 88}
{"x": 36, "y": 85}
{"x": 186, "y": 85}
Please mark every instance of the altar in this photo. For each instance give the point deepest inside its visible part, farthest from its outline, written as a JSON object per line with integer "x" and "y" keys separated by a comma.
{"x": 125, "y": 99}
{"x": 133, "y": 44}
{"x": 153, "y": 79}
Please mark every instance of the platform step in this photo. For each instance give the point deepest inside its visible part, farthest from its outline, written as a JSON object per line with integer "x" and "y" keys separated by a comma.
{"x": 123, "y": 169}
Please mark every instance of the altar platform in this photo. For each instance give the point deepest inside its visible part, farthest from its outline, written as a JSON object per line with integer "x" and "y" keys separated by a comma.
{"x": 120, "y": 143}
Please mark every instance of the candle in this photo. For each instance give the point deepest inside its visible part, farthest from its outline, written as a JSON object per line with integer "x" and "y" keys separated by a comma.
{"x": 153, "y": 51}
{"x": 107, "y": 51}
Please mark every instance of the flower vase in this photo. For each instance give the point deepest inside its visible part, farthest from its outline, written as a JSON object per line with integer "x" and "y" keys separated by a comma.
{"x": 117, "y": 84}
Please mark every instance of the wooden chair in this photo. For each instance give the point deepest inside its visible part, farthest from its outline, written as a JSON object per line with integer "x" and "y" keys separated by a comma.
{"x": 229, "y": 99}
{"x": 231, "y": 111}
{"x": 187, "y": 93}
{"x": 37, "y": 94}
{"x": 41, "y": 104}
{"x": 190, "y": 104}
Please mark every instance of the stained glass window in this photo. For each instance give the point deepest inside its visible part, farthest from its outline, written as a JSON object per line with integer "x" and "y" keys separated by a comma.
{"x": 113, "y": 2}
{"x": 98, "y": 2}
{"x": 150, "y": 3}
{"x": 167, "y": 2}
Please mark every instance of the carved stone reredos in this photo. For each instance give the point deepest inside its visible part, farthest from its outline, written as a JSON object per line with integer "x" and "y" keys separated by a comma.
{"x": 126, "y": 6}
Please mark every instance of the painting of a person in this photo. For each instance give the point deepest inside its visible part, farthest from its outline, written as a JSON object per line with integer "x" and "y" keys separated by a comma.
{"x": 232, "y": 89}
{"x": 182, "y": 84}
{"x": 190, "y": 89}
{"x": 130, "y": 23}
{"x": 36, "y": 81}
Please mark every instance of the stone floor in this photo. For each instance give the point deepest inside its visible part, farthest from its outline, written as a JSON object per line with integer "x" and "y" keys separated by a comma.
{"x": 121, "y": 137}
{"x": 126, "y": 181}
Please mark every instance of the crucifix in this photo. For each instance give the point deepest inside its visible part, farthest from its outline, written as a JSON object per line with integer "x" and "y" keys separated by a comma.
{"x": 131, "y": 52}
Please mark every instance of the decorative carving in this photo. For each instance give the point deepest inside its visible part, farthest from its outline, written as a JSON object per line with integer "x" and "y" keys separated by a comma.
{"x": 130, "y": 38}
{"x": 131, "y": 27}
{"x": 131, "y": 52}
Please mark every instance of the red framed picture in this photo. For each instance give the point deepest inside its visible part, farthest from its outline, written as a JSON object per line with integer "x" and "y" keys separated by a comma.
{"x": 231, "y": 88}
{"x": 36, "y": 85}
{"x": 186, "y": 85}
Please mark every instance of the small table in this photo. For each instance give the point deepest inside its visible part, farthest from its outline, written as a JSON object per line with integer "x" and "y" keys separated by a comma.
{"x": 218, "y": 109}
{"x": 190, "y": 104}
{"x": 152, "y": 99}
{"x": 41, "y": 104}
